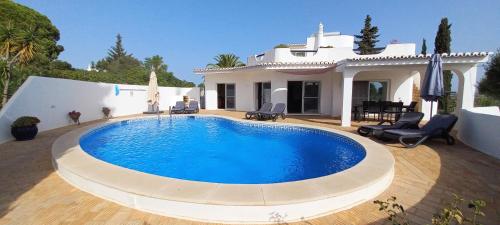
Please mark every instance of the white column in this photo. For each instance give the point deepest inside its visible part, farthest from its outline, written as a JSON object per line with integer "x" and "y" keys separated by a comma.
{"x": 347, "y": 79}
{"x": 466, "y": 88}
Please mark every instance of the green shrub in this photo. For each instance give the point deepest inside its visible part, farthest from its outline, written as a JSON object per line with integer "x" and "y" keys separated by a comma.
{"x": 282, "y": 46}
{"x": 484, "y": 100}
{"x": 451, "y": 213}
{"x": 25, "y": 121}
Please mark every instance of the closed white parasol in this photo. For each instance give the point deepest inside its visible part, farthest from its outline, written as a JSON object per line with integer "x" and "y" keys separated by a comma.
{"x": 153, "y": 94}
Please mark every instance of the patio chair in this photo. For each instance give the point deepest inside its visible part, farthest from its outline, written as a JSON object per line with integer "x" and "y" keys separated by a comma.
{"x": 406, "y": 121}
{"x": 411, "y": 107}
{"x": 178, "y": 108}
{"x": 192, "y": 107}
{"x": 266, "y": 107}
{"x": 278, "y": 110}
{"x": 438, "y": 127}
{"x": 371, "y": 107}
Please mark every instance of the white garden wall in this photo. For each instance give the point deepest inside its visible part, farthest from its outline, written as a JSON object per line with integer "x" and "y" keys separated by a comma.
{"x": 50, "y": 99}
{"x": 479, "y": 127}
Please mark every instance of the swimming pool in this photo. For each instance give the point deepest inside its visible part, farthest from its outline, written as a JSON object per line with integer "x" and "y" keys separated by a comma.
{"x": 222, "y": 169}
{"x": 213, "y": 149}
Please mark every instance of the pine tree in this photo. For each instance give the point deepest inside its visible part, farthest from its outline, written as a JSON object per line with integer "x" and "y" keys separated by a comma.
{"x": 118, "y": 61}
{"x": 442, "y": 45}
{"x": 366, "y": 41}
{"x": 424, "y": 47}
{"x": 117, "y": 51}
{"x": 490, "y": 84}
{"x": 443, "y": 37}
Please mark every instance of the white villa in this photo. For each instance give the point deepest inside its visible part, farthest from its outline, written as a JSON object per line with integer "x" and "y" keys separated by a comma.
{"x": 325, "y": 76}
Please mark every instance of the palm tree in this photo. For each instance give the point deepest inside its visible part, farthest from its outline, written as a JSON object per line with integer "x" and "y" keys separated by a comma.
{"x": 16, "y": 48}
{"x": 226, "y": 61}
{"x": 156, "y": 63}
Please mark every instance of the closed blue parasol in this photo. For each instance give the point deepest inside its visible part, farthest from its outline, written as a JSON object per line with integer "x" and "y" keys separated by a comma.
{"x": 433, "y": 87}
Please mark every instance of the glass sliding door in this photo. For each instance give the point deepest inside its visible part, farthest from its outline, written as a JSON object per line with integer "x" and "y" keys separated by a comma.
{"x": 230, "y": 96}
{"x": 226, "y": 96}
{"x": 263, "y": 93}
{"x": 221, "y": 96}
{"x": 378, "y": 90}
{"x": 303, "y": 97}
{"x": 369, "y": 91}
{"x": 294, "y": 97}
{"x": 266, "y": 92}
{"x": 359, "y": 92}
{"x": 311, "y": 97}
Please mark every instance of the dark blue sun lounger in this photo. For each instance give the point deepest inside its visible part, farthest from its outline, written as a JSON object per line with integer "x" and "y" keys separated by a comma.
{"x": 438, "y": 127}
{"x": 266, "y": 107}
{"x": 278, "y": 110}
{"x": 409, "y": 120}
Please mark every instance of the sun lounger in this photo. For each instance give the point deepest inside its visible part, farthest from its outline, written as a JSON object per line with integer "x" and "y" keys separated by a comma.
{"x": 408, "y": 120}
{"x": 178, "y": 108}
{"x": 278, "y": 110}
{"x": 192, "y": 108}
{"x": 266, "y": 107}
{"x": 438, "y": 127}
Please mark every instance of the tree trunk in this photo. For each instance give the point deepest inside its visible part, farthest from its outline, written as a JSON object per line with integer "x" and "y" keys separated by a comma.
{"x": 6, "y": 82}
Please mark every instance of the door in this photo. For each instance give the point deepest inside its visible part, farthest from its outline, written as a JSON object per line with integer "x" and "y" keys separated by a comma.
{"x": 378, "y": 90}
{"x": 258, "y": 87}
{"x": 221, "y": 96}
{"x": 230, "y": 96}
{"x": 266, "y": 92}
{"x": 311, "y": 97}
{"x": 263, "y": 93}
{"x": 294, "y": 97}
{"x": 359, "y": 92}
{"x": 369, "y": 91}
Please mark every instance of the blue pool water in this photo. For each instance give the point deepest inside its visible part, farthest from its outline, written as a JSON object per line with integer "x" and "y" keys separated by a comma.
{"x": 213, "y": 149}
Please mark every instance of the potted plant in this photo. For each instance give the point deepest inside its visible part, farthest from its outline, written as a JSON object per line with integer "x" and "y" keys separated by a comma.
{"x": 24, "y": 128}
{"x": 75, "y": 116}
{"x": 106, "y": 111}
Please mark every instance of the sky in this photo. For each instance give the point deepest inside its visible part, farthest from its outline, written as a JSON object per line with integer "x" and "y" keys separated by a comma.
{"x": 188, "y": 34}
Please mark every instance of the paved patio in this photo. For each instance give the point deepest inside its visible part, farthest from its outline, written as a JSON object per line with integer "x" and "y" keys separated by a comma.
{"x": 32, "y": 193}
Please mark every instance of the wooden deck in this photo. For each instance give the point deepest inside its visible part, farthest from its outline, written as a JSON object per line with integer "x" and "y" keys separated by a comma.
{"x": 32, "y": 193}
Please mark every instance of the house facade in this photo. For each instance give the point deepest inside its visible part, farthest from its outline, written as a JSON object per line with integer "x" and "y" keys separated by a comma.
{"x": 325, "y": 76}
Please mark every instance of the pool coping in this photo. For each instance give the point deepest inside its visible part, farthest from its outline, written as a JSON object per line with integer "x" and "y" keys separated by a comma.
{"x": 111, "y": 181}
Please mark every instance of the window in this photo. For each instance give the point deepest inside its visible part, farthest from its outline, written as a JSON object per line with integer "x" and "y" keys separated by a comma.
{"x": 299, "y": 54}
{"x": 369, "y": 91}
